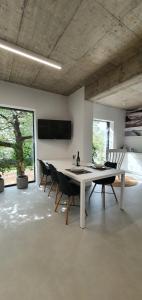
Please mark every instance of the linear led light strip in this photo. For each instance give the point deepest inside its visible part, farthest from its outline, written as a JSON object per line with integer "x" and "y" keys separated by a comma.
{"x": 28, "y": 54}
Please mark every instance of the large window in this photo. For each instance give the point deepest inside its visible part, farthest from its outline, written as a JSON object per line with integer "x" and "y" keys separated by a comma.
{"x": 102, "y": 140}
{"x": 16, "y": 144}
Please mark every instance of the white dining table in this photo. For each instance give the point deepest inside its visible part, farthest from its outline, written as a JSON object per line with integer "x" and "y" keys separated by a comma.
{"x": 63, "y": 166}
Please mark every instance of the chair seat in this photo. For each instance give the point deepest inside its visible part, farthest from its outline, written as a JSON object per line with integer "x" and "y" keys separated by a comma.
{"x": 74, "y": 189}
{"x": 69, "y": 189}
{"x": 105, "y": 181}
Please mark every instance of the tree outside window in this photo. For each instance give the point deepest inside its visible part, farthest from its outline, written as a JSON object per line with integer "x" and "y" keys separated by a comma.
{"x": 16, "y": 140}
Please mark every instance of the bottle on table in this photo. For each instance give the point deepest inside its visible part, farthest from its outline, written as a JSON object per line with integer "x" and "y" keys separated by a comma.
{"x": 78, "y": 159}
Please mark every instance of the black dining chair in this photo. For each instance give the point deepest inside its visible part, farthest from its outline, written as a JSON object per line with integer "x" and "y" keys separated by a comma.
{"x": 105, "y": 182}
{"x": 55, "y": 181}
{"x": 68, "y": 188}
{"x": 45, "y": 172}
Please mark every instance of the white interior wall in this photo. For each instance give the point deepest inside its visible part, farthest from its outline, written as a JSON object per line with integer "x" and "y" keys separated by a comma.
{"x": 81, "y": 113}
{"x": 75, "y": 108}
{"x": 134, "y": 142}
{"x": 115, "y": 115}
{"x": 45, "y": 105}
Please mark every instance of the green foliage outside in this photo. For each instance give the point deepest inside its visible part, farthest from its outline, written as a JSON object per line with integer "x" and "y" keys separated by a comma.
{"x": 98, "y": 144}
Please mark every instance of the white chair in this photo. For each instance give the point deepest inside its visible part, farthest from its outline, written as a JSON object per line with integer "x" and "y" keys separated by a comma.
{"x": 116, "y": 156}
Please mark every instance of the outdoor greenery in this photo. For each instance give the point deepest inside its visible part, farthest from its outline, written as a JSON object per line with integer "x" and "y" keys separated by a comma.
{"x": 99, "y": 143}
{"x": 16, "y": 147}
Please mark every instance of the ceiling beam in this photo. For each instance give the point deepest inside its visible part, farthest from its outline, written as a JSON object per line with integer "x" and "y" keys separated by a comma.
{"x": 106, "y": 83}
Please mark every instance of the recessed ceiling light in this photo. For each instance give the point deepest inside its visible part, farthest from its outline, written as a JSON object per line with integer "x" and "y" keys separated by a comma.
{"x": 28, "y": 54}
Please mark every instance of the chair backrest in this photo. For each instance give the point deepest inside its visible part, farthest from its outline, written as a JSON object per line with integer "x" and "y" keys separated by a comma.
{"x": 111, "y": 164}
{"x": 44, "y": 168}
{"x": 53, "y": 172}
{"x": 64, "y": 185}
{"x": 116, "y": 155}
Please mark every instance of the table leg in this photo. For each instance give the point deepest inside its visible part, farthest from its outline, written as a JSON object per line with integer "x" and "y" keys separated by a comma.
{"x": 82, "y": 204}
{"x": 122, "y": 190}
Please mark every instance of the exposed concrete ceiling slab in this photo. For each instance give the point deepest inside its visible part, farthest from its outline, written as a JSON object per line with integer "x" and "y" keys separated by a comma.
{"x": 113, "y": 47}
{"x": 123, "y": 99}
{"x": 84, "y": 31}
{"x": 5, "y": 65}
{"x": 10, "y": 19}
{"x": 44, "y": 22}
{"x": 120, "y": 8}
{"x": 124, "y": 95}
{"x": 90, "y": 38}
{"x": 133, "y": 20}
{"x": 26, "y": 74}
{"x": 131, "y": 68}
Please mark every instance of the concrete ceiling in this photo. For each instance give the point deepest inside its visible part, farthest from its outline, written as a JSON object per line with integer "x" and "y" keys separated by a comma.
{"x": 126, "y": 95}
{"x": 89, "y": 37}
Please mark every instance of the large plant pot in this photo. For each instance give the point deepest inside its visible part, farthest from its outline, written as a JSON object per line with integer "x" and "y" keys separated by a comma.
{"x": 1, "y": 184}
{"x": 22, "y": 182}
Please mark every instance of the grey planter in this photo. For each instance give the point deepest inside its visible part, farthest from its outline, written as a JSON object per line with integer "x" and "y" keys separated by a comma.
{"x": 1, "y": 184}
{"x": 22, "y": 182}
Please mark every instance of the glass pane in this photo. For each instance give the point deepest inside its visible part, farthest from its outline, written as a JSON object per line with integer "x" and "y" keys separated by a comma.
{"x": 100, "y": 141}
{"x": 16, "y": 144}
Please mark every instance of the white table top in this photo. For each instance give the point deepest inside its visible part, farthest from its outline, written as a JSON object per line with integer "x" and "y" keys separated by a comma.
{"x": 62, "y": 165}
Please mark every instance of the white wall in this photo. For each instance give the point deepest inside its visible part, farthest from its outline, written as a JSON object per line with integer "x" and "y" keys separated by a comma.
{"x": 45, "y": 105}
{"x": 81, "y": 113}
{"x": 75, "y": 108}
{"x": 115, "y": 115}
{"x": 134, "y": 142}
{"x": 132, "y": 163}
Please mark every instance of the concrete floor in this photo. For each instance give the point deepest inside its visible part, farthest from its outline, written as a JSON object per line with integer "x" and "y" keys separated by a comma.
{"x": 42, "y": 259}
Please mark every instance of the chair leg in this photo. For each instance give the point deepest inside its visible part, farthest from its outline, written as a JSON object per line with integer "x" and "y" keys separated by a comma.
{"x": 103, "y": 195}
{"x": 45, "y": 184}
{"x": 70, "y": 199}
{"x": 58, "y": 202}
{"x": 92, "y": 191}
{"x": 114, "y": 193}
{"x": 57, "y": 191}
{"x": 50, "y": 188}
{"x": 41, "y": 180}
{"x": 73, "y": 200}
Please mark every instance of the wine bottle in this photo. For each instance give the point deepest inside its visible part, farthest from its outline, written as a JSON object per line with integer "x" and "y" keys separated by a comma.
{"x": 78, "y": 159}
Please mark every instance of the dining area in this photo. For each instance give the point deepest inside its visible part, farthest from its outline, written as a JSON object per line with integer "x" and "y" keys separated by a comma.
{"x": 67, "y": 179}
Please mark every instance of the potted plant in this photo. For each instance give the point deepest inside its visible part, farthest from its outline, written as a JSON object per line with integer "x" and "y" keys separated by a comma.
{"x": 4, "y": 166}
{"x": 22, "y": 179}
{"x": 1, "y": 183}
{"x": 1, "y": 179}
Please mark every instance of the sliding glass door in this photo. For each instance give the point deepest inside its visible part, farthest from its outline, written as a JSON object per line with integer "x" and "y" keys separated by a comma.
{"x": 17, "y": 153}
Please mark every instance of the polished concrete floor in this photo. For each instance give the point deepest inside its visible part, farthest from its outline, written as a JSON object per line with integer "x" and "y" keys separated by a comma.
{"x": 43, "y": 259}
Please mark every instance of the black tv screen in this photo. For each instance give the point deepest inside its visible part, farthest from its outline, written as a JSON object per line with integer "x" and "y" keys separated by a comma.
{"x": 54, "y": 129}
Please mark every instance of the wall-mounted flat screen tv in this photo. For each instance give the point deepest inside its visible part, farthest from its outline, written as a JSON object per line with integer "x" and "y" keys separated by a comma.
{"x": 54, "y": 129}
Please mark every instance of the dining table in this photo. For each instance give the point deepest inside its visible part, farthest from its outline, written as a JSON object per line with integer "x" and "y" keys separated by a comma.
{"x": 85, "y": 173}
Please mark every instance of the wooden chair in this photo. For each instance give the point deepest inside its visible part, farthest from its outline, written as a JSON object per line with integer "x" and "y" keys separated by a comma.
{"x": 45, "y": 172}
{"x": 70, "y": 189}
{"x": 116, "y": 156}
{"x": 55, "y": 181}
